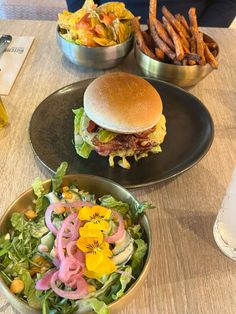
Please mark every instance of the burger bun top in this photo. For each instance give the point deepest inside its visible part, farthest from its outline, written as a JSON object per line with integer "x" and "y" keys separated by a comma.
{"x": 123, "y": 103}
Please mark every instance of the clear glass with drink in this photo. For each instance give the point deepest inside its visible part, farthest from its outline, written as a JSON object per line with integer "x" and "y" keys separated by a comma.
{"x": 3, "y": 115}
{"x": 225, "y": 225}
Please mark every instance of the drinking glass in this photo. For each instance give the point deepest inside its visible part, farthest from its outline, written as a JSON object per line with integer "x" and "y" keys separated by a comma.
{"x": 3, "y": 115}
{"x": 224, "y": 229}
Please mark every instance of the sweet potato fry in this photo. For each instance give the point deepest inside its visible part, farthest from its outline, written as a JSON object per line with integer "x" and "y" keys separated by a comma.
{"x": 192, "y": 45}
{"x": 175, "y": 23}
{"x": 191, "y": 62}
{"x": 163, "y": 33}
{"x": 160, "y": 54}
{"x": 140, "y": 39}
{"x": 175, "y": 37}
{"x": 192, "y": 49}
{"x": 183, "y": 21}
{"x": 185, "y": 46}
{"x": 148, "y": 40}
{"x": 158, "y": 41}
{"x": 210, "y": 58}
{"x": 153, "y": 7}
{"x": 211, "y": 46}
{"x": 192, "y": 57}
{"x": 177, "y": 62}
{"x": 200, "y": 47}
{"x": 193, "y": 20}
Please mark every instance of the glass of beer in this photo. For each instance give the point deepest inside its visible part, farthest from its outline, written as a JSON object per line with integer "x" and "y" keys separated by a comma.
{"x": 3, "y": 115}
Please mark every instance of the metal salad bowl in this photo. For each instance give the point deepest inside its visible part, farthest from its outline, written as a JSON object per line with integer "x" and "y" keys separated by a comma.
{"x": 99, "y": 187}
{"x": 99, "y": 58}
{"x": 181, "y": 75}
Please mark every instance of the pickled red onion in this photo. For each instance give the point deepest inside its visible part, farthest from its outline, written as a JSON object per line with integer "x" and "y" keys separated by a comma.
{"x": 66, "y": 224}
{"x": 69, "y": 268}
{"x": 44, "y": 282}
{"x": 51, "y": 207}
{"x": 120, "y": 230}
{"x": 80, "y": 292}
{"x": 76, "y": 253}
{"x": 48, "y": 220}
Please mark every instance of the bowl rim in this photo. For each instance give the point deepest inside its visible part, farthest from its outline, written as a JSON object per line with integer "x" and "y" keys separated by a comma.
{"x": 171, "y": 65}
{"x": 138, "y": 281}
{"x": 130, "y": 38}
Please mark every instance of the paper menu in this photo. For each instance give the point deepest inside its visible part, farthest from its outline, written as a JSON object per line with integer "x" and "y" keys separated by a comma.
{"x": 11, "y": 61}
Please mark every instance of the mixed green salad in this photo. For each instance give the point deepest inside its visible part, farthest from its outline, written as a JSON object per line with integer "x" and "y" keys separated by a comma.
{"x": 70, "y": 252}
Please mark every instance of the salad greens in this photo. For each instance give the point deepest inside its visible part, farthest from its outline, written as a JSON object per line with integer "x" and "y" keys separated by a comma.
{"x": 28, "y": 252}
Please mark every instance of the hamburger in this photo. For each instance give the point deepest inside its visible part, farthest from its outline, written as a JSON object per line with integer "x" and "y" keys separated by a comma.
{"x": 122, "y": 117}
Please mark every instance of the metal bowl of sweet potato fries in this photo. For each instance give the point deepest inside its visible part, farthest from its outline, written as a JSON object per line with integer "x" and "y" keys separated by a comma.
{"x": 174, "y": 50}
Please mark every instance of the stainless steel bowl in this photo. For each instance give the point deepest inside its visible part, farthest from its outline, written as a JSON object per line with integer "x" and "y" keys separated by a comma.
{"x": 99, "y": 58}
{"x": 95, "y": 185}
{"x": 183, "y": 76}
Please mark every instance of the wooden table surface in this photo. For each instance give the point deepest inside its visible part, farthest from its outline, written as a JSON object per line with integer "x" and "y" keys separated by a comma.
{"x": 188, "y": 272}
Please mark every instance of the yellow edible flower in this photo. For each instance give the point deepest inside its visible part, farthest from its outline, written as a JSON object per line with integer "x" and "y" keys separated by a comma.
{"x": 96, "y": 216}
{"x": 86, "y": 232}
{"x": 97, "y": 253}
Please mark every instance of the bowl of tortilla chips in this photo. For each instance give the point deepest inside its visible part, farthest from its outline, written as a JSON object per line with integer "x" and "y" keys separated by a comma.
{"x": 97, "y": 37}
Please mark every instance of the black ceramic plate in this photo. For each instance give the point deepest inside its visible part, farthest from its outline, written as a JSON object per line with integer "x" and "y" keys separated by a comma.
{"x": 189, "y": 136}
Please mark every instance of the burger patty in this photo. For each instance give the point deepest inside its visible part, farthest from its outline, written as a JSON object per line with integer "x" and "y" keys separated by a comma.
{"x": 138, "y": 143}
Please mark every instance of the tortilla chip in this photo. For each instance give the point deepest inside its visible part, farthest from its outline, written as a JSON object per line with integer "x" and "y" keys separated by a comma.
{"x": 125, "y": 30}
{"x": 117, "y": 8}
{"x": 106, "y": 25}
{"x": 104, "y": 41}
{"x": 89, "y": 5}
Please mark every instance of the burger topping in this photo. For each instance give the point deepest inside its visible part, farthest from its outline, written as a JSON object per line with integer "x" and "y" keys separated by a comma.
{"x": 92, "y": 126}
{"x": 89, "y": 136}
{"x": 123, "y": 142}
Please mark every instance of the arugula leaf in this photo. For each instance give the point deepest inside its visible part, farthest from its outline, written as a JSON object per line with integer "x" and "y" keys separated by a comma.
{"x": 125, "y": 278}
{"x": 139, "y": 209}
{"x": 5, "y": 277}
{"x": 29, "y": 290}
{"x": 110, "y": 285}
{"x": 18, "y": 221}
{"x": 41, "y": 204}
{"x": 45, "y": 308}
{"x": 5, "y": 248}
{"x": 111, "y": 202}
{"x": 58, "y": 177}
{"x": 35, "y": 229}
{"x": 4, "y": 244}
{"x": 53, "y": 304}
{"x": 85, "y": 196}
{"x": 99, "y": 307}
{"x": 38, "y": 187}
{"x": 138, "y": 257}
{"x": 38, "y": 229}
{"x": 4, "y": 238}
{"x": 136, "y": 231}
